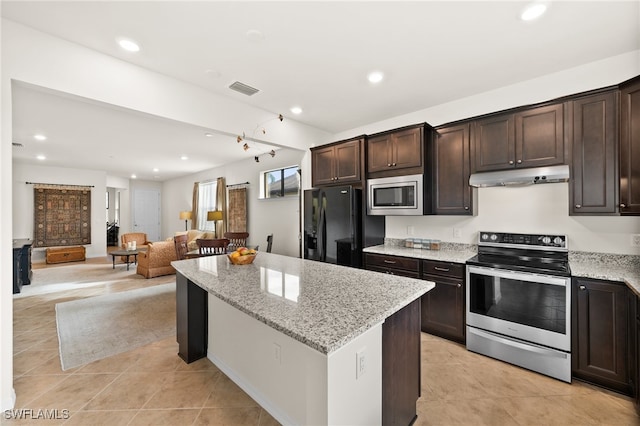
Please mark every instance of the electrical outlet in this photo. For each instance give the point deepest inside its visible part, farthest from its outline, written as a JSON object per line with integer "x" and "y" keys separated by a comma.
{"x": 277, "y": 353}
{"x": 361, "y": 363}
{"x": 457, "y": 233}
{"x": 635, "y": 240}
{"x": 410, "y": 230}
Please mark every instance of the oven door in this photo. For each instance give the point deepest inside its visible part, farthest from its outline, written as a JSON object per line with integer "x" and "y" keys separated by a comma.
{"x": 531, "y": 307}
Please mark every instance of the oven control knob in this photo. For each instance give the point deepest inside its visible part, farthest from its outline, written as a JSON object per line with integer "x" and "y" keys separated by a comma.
{"x": 494, "y": 237}
{"x": 485, "y": 237}
{"x": 546, "y": 240}
{"x": 558, "y": 241}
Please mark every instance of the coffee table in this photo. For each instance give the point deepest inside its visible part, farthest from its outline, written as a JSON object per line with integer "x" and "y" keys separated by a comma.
{"x": 126, "y": 253}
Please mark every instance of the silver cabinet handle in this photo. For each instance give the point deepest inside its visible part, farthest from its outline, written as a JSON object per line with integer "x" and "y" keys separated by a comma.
{"x": 459, "y": 285}
{"x": 519, "y": 161}
{"x": 510, "y": 161}
{"x": 441, "y": 269}
{"x": 388, "y": 164}
{"x": 578, "y": 206}
{"x": 581, "y": 287}
{"x": 392, "y": 262}
{"x": 466, "y": 207}
{"x": 393, "y": 164}
{"x": 623, "y": 205}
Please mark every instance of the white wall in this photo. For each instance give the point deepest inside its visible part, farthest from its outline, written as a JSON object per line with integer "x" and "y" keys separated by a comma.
{"x": 272, "y": 216}
{"x": 538, "y": 209}
{"x": 22, "y": 202}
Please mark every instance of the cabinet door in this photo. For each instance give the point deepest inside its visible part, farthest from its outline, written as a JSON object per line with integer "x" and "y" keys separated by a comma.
{"x": 407, "y": 149}
{"x": 600, "y": 333}
{"x": 492, "y": 145}
{"x": 540, "y": 136}
{"x": 443, "y": 309}
{"x": 595, "y": 181}
{"x": 322, "y": 166}
{"x": 347, "y": 161}
{"x": 379, "y": 153}
{"x": 452, "y": 193}
{"x": 630, "y": 149}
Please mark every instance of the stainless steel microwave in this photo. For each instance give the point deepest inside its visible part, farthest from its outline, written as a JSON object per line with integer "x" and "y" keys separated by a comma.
{"x": 395, "y": 196}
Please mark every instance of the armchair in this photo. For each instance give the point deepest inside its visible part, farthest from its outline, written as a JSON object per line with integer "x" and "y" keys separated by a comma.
{"x": 156, "y": 261}
{"x": 139, "y": 237}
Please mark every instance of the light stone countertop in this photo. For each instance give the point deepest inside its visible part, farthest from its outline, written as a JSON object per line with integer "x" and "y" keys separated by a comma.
{"x": 606, "y": 266}
{"x": 449, "y": 252}
{"x": 321, "y": 305}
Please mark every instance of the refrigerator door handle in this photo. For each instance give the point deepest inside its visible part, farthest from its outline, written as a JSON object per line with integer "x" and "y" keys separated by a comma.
{"x": 352, "y": 221}
{"x": 322, "y": 228}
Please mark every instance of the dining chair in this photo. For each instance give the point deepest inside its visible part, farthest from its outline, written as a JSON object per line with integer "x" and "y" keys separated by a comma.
{"x": 180, "y": 241}
{"x": 237, "y": 239}
{"x": 214, "y": 246}
{"x": 269, "y": 242}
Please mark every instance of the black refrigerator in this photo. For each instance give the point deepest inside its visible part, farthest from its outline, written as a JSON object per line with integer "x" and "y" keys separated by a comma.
{"x": 336, "y": 226}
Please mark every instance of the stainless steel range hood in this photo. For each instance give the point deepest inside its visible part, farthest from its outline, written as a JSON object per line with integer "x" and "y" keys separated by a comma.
{"x": 520, "y": 177}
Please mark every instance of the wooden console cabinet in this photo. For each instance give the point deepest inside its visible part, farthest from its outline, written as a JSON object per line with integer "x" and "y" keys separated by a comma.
{"x": 66, "y": 254}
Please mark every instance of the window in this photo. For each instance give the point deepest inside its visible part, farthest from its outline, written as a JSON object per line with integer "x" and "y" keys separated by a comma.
{"x": 279, "y": 183}
{"x": 206, "y": 203}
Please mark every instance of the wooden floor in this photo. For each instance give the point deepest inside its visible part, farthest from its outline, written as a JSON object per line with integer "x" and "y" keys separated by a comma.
{"x": 153, "y": 386}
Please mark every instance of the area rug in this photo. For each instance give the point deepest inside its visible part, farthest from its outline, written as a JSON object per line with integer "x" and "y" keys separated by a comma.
{"x": 98, "y": 327}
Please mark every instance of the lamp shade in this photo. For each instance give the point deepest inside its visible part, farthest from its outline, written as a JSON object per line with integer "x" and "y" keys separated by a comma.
{"x": 185, "y": 215}
{"x": 214, "y": 215}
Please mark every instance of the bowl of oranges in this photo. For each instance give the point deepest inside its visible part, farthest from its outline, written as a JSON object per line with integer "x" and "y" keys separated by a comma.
{"x": 242, "y": 256}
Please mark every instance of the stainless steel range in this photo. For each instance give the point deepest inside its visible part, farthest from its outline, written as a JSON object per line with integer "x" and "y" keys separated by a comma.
{"x": 519, "y": 301}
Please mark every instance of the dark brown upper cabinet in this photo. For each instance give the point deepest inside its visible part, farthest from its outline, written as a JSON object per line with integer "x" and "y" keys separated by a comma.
{"x": 337, "y": 163}
{"x": 594, "y": 135}
{"x": 450, "y": 153}
{"x": 630, "y": 147}
{"x": 396, "y": 153}
{"x": 528, "y": 138}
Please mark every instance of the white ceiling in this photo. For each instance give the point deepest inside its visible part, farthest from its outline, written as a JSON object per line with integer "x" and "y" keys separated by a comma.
{"x": 312, "y": 54}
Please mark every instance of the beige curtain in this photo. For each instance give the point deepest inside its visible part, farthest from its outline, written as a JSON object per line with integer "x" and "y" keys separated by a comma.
{"x": 194, "y": 204}
{"x": 221, "y": 204}
{"x": 238, "y": 210}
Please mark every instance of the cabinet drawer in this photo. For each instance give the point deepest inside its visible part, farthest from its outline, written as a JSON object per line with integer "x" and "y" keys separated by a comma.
{"x": 394, "y": 262}
{"x": 393, "y": 271}
{"x": 445, "y": 269}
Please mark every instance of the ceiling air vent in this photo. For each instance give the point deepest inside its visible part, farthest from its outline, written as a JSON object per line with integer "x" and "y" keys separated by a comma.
{"x": 17, "y": 145}
{"x": 243, "y": 88}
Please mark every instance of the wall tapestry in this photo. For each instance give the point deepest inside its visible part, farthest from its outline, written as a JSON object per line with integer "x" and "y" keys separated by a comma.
{"x": 237, "y": 210}
{"x": 62, "y": 216}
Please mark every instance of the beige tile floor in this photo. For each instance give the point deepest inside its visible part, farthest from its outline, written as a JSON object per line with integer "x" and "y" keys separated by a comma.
{"x": 153, "y": 386}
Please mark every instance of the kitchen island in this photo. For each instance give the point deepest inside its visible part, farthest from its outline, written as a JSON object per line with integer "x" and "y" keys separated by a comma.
{"x": 312, "y": 343}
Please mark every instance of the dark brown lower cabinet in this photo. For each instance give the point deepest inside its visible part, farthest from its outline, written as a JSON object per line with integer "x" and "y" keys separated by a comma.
{"x": 443, "y": 308}
{"x": 394, "y": 265}
{"x": 601, "y": 334}
{"x": 401, "y": 365}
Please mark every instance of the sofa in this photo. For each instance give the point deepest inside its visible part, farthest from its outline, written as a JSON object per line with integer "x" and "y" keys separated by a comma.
{"x": 156, "y": 261}
{"x": 193, "y": 235}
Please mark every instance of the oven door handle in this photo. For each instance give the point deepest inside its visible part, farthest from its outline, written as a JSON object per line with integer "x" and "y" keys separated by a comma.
{"x": 530, "y": 347}
{"x": 524, "y": 276}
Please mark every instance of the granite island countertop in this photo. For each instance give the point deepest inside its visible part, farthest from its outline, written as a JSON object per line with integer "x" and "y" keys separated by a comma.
{"x": 321, "y": 305}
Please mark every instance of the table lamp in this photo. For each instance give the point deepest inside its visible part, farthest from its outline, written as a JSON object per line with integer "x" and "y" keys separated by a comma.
{"x": 185, "y": 215}
{"x": 214, "y": 216}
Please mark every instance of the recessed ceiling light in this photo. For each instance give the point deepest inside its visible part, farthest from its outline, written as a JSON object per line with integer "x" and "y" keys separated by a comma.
{"x": 296, "y": 110}
{"x": 133, "y": 176}
{"x": 155, "y": 169}
{"x": 533, "y": 11}
{"x": 40, "y": 137}
{"x": 41, "y": 157}
{"x": 184, "y": 157}
{"x": 375, "y": 77}
{"x": 209, "y": 135}
{"x": 255, "y": 35}
{"x": 129, "y": 45}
